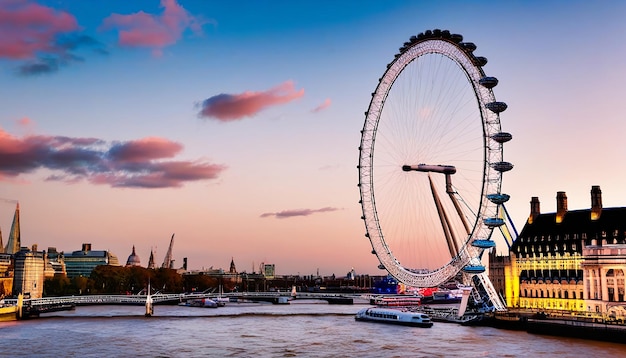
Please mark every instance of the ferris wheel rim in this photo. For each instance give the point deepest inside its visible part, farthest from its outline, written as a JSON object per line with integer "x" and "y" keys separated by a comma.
{"x": 460, "y": 53}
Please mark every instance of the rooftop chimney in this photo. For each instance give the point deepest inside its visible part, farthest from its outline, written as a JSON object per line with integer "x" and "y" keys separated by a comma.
{"x": 596, "y": 202}
{"x": 561, "y": 206}
{"x": 86, "y": 247}
{"x": 534, "y": 209}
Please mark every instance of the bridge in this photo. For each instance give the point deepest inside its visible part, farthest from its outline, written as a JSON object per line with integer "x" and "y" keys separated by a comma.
{"x": 35, "y": 306}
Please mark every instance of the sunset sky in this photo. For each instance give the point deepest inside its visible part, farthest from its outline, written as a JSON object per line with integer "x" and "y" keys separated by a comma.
{"x": 235, "y": 125}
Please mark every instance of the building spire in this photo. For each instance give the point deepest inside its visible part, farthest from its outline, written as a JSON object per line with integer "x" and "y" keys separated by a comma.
{"x": 15, "y": 242}
{"x": 168, "y": 262}
{"x": 151, "y": 264}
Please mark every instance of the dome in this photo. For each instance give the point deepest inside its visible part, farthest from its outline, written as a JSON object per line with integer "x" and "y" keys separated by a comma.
{"x": 133, "y": 259}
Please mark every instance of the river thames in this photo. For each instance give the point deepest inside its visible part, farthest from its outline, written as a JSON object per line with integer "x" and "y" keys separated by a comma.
{"x": 265, "y": 330}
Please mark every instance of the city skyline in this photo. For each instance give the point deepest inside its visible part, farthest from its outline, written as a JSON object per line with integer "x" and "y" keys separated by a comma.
{"x": 236, "y": 127}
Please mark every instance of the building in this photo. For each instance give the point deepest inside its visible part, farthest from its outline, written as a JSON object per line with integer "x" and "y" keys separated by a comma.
{"x": 267, "y": 270}
{"x": 6, "y": 275}
{"x": 569, "y": 260}
{"x": 55, "y": 263}
{"x": 29, "y": 272}
{"x": 15, "y": 241}
{"x": 151, "y": 263}
{"x": 133, "y": 259}
{"x": 81, "y": 263}
{"x": 5, "y": 265}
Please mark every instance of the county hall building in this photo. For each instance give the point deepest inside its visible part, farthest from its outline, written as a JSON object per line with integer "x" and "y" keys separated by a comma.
{"x": 568, "y": 260}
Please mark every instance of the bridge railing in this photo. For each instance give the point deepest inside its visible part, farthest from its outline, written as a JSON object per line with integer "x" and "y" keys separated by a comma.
{"x": 84, "y": 300}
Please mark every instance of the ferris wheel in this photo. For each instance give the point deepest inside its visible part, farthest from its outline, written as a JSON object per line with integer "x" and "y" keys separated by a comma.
{"x": 431, "y": 162}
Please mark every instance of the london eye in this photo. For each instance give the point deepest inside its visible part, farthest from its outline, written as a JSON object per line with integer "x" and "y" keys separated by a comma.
{"x": 431, "y": 161}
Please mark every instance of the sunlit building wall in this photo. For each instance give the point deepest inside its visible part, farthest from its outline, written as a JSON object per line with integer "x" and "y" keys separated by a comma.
{"x": 55, "y": 263}
{"x": 29, "y": 272}
{"x": 568, "y": 260}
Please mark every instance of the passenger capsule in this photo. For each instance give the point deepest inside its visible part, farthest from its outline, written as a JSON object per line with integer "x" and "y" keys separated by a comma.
{"x": 420, "y": 36}
{"x": 437, "y": 32}
{"x": 480, "y": 61}
{"x": 413, "y": 39}
{"x": 456, "y": 38}
{"x": 494, "y": 222}
{"x": 373, "y": 252}
{"x": 468, "y": 46}
{"x": 445, "y": 34}
{"x": 502, "y": 166}
{"x": 498, "y": 198}
{"x": 496, "y": 107}
{"x": 502, "y": 137}
{"x": 381, "y": 266}
{"x": 428, "y": 34}
{"x": 488, "y": 82}
{"x": 483, "y": 244}
{"x": 474, "y": 269}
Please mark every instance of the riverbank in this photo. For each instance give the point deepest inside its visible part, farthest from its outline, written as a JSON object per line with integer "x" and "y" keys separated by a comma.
{"x": 593, "y": 328}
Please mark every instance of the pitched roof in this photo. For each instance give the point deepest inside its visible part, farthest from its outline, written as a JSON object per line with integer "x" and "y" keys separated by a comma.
{"x": 546, "y": 235}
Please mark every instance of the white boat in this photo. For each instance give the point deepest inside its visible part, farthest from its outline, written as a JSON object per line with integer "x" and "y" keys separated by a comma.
{"x": 393, "y": 316}
{"x": 201, "y": 302}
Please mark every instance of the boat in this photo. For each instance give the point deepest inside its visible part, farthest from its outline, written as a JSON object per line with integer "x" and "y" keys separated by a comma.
{"x": 443, "y": 297}
{"x": 394, "y": 316}
{"x": 11, "y": 311}
{"x": 8, "y": 313}
{"x": 450, "y": 315}
{"x": 396, "y": 301}
{"x": 220, "y": 301}
{"x": 201, "y": 302}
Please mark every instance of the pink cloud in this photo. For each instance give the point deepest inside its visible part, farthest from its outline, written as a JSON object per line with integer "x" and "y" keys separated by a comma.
{"x": 297, "y": 212}
{"x": 144, "y": 149}
{"x": 137, "y": 164}
{"x": 231, "y": 107}
{"x": 27, "y": 29}
{"x": 323, "y": 106}
{"x": 154, "y": 31}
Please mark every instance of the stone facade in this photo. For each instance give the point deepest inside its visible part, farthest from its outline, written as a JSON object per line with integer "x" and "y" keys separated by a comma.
{"x": 568, "y": 261}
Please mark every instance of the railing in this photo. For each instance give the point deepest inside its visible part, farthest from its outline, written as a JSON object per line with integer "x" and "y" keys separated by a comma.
{"x": 85, "y": 300}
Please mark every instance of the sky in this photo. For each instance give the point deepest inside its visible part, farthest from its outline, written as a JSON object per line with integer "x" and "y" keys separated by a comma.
{"x": 236, "y": 125}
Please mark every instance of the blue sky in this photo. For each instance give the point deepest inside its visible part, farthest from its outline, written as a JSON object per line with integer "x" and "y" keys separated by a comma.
{"x": 560, "y": 66}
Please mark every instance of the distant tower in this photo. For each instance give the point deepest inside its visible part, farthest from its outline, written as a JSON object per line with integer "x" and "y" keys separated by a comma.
{"x": 1, "y": 244}
{"x": 151, "y": 264}
{"x": 233, "y": 269}
{"x": 561, "y": 206}
{"x": 133, "y": 259}
{"x": 596, "y": 203}
{"x": 534, "y": 209}
{"x": 168, "y": 262}
{"x": 15, "y": 242}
